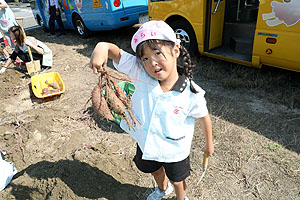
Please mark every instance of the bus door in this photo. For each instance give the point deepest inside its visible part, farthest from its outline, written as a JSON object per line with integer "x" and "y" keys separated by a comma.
{"x": 66, "y": 8}
{"x": 214, "y": 23}
{"x": 230, "y": 29}
{"x": 43, "y": 8}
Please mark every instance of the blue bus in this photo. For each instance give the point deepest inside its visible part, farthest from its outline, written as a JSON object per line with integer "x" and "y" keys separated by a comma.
{"x": 93, "y": 15}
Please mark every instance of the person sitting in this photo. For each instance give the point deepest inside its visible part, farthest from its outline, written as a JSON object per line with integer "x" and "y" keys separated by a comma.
{"x": 40, "y": 50}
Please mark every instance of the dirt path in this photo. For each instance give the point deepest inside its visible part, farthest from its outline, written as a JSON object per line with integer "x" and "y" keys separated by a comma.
{"x": 62, "y": 151}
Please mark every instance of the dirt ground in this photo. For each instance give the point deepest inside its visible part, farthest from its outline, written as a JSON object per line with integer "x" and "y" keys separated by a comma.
{"x": 62, "y": 150}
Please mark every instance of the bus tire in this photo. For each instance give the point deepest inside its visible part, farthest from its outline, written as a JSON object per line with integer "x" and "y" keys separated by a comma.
{"x": 186, "y": 34}
{"x": 80, "y": 28}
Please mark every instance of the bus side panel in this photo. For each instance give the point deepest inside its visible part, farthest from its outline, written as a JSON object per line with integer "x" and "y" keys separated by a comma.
{"x": 66, "y": 8}
{"x": 193, "y": 11}
{"x": 285, "y": 53}
{"x": 103, "y": 15}
{"x": 134, "y": 6}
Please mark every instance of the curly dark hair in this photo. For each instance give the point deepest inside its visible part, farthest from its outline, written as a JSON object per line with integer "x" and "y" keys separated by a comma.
{"x": 187, "y": 67}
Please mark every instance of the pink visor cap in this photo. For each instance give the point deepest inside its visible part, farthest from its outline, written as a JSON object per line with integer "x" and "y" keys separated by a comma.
{"x": 158, "y": 30}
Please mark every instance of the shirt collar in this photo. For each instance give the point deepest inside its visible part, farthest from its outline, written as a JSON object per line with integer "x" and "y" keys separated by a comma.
{"x": 181, "y": 84}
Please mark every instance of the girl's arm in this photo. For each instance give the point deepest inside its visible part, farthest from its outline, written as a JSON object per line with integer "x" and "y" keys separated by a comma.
{"x": 101, "y": 53}
{"x": 205, "y": 124}
{"x": 30, "y": 41}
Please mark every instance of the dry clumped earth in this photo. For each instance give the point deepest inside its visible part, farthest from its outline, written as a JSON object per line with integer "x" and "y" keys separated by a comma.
{"x": 62, "y": 150}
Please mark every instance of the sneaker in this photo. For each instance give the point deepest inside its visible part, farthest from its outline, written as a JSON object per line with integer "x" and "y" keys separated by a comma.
{"x": 3, "y": 58}
{"x": 2, "y": 70}
{"x": 158, "y": 194}
{"x": 44, "y": 68}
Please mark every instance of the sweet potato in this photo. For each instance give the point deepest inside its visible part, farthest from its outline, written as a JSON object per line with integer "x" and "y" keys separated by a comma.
{"x": 115, "y": 103}
{"x": 53, "y": 85}
{"x": 125, "y": 100}
{"x": 100, "y": 104}
{"x": 45, "y": 91}
{"x": 118, "y": 103}
{"x": 121, "y": 95}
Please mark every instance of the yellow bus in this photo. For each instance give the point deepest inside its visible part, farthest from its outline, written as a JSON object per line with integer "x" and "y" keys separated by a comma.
{"x": 248, "y": 32}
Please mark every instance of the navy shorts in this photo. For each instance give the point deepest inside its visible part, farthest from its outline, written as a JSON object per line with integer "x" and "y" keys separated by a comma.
{"x": 175, "y": 171}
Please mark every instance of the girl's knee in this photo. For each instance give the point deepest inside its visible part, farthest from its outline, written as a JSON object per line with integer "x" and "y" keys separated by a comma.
{"x": 158, "y": 172}
{"x": 177, "y": 184}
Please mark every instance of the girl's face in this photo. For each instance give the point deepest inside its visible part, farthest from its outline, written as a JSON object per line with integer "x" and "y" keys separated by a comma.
{"x": 161, "y": 63}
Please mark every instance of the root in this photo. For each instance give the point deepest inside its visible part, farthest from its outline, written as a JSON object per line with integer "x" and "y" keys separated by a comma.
{"x": 108, "y": 96}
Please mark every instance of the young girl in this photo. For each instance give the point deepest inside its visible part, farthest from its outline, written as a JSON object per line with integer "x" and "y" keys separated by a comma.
{"x": 40, "y": 51}
{"x": 7, "y": 20}
{"x": 166, "y": 103}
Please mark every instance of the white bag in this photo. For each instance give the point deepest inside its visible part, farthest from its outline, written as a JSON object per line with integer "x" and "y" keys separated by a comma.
{"x": 7, "y": 171}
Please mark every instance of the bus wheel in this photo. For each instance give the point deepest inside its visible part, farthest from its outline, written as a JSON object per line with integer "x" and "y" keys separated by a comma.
{"x": 80, "y": 27}
{"x": 185, "y": 33}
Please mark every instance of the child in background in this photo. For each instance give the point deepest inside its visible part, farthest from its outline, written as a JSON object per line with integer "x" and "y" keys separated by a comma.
{"x": 7, "y": 20}
{"x": 40, "y": 50}
{"x": 166, "y": 103}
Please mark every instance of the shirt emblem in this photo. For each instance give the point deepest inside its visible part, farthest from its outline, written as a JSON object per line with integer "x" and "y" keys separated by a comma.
{"x": 176, "y": 111}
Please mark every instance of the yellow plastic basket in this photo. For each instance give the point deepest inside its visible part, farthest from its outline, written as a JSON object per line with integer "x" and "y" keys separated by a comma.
{"x": 38, "y": 83}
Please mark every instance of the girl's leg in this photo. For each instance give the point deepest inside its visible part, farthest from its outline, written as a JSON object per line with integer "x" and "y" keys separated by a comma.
{"x": 4, "y": 52}
{"x": 160, "y": 178}
{"x": 180, "y": 188}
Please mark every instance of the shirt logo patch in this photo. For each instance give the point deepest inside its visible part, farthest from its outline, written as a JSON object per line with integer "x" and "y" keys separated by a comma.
{"x": 176, "y": 111}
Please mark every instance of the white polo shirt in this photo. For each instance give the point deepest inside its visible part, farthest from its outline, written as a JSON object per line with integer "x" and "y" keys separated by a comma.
{"x": 53, "y": 3}
{"x": 164, "y": 121}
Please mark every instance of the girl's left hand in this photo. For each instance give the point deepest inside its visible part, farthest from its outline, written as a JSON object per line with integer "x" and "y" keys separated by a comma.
{"x": 209, "y": 149}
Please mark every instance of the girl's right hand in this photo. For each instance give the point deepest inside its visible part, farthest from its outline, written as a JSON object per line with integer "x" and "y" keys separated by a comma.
{"x": 99, "y": 58}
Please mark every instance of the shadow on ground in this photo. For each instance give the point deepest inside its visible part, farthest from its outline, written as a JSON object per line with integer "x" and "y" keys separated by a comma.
{"x": 83, "y": 179}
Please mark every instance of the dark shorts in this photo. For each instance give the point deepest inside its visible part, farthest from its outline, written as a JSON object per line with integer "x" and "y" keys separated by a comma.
{"x": 175, "y": 171}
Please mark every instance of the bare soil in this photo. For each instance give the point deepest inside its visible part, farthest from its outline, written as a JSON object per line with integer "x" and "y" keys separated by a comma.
{"x": 62, "y": 150}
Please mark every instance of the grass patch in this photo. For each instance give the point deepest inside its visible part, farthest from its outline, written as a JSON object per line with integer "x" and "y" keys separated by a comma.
{"x": 275, "y": 148}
